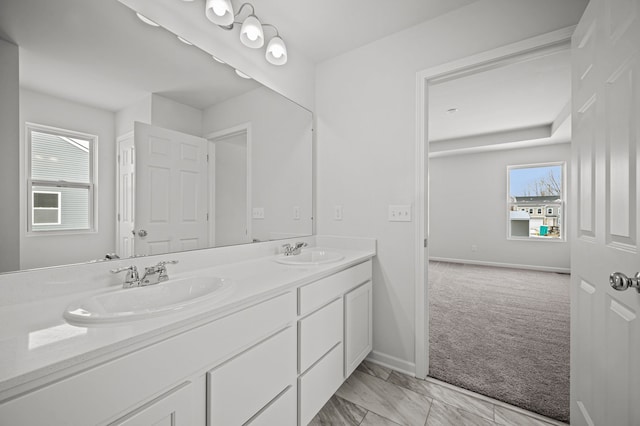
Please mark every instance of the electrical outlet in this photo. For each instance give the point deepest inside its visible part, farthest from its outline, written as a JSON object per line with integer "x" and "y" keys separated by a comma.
{"x": 399, "y": 213}
{"x": 296, "y": 212}
{"x": 337, "y": 212}
{"x": 474, "y": 247}
{"x": 258, "y": 213}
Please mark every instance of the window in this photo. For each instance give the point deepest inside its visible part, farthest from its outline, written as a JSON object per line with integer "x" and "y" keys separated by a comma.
{"x": 535, "y": 188}
{"x": 60, "y": 180}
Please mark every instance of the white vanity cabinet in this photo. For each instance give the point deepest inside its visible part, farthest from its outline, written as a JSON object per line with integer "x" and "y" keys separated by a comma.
{"x": 151, "y": 382}
{"x": 275, "y": 361}
{"x": 334, "y": 333}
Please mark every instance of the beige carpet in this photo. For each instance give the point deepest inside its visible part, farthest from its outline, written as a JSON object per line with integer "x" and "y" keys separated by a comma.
{"x": 503, "y": 333}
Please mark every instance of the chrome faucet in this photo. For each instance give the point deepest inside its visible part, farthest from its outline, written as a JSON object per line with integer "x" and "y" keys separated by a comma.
{"x": 152, "y": 274}
{"x": 157, "y": 273}
{"x": 292, "y": 250}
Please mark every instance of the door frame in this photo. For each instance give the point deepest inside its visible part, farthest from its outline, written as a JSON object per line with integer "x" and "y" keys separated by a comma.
{"x": 450, "y": 70}
{"x": 211, "y": 140}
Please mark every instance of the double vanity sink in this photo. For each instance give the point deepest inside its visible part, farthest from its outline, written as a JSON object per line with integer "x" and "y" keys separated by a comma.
{"x": 179, "y": 346}
{"x": 148, "y": 301}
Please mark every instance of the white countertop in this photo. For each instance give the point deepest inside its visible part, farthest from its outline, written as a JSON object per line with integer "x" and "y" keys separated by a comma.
{"x": 37, "y": 346}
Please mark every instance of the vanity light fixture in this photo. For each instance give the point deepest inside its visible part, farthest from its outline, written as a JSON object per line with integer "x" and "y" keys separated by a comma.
{"x": 185, "y": 41}
{"x": 218, "y": 59}
{"x": 221, "y": 13}
{"x": 146, "y": 20}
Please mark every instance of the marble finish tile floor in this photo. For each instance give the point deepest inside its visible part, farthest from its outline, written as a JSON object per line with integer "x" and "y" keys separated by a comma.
{"x": 377, "y": 396}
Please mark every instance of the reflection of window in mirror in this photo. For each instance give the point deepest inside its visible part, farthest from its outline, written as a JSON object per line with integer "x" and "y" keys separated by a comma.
{"x": 536, "y": 188}
{"x": 60, "y": 179}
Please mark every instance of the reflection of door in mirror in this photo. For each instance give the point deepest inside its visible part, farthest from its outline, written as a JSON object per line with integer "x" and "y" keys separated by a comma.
{"x": 171, "y": 191}
{"x": 230, "y": 193}
{"x": 125, "y": 196}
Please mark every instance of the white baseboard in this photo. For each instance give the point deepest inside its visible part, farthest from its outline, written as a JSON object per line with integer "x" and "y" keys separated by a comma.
{"x": 388, "y": 361}
{"x": 503, "y": 265}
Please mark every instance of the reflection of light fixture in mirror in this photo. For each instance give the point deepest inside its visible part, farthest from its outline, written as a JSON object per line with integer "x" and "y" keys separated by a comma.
{"x": 218, "y": 59}
{"x": 221, "y": 13}
{"x": 146, "y": 20}
{"x": 243, "y": 75}
{"x": 185, "y": 41}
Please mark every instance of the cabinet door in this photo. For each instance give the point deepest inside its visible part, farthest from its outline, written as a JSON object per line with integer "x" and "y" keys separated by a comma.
{"x": 358, "y": 326}
{"x": 171, "y": 409}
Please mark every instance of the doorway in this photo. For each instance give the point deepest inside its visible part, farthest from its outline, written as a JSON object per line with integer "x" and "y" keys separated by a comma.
{"x": 491, "y": 142}
{"x": 230, "y": 186}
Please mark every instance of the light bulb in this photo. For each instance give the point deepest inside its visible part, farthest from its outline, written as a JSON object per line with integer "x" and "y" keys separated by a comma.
{"x": 219, "y": 9}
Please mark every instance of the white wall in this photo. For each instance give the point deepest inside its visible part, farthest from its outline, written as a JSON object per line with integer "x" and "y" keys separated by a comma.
{"x": 467, "y": 197}
{"x": 366, "y": 139}
{"x": 173, "y": 115}
{"x": 10, "y": 148}
{"x": 48, "y": 250}
{"x": 281, "y": 175}
{"x": 139, "y": 111}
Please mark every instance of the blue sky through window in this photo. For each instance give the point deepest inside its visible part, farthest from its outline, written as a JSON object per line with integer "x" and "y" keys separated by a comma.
{"x": 522, "y": 180}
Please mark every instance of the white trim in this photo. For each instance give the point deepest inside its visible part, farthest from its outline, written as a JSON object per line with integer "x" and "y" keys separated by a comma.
{"x": 422, "y": 225}
{"x": 391, "y": 362}
{"x": 243, "y": 128}
{"x": 541, "y": 268}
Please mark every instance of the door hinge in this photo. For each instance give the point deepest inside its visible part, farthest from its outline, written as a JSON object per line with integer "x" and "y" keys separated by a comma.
{"x": 207, "y": 217}
{"x": 207, "y": 158}
{"x": 425, "y": 242}
{"x": 118, "y": 217}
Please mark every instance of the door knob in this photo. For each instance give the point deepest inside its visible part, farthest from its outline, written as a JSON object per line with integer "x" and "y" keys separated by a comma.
{"x": 142, "y": 233}
{"x": 621, "y": 282}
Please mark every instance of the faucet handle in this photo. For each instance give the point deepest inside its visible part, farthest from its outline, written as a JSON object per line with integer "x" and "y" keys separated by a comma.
{"x": 132, "y": 270}
{"x": 132, "y": 279}
{"x": 167, "y": 262}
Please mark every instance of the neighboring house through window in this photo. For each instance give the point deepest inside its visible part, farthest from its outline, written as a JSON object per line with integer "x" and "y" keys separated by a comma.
{"x": 61, "y": 184}
{"x": 535, "y": 188}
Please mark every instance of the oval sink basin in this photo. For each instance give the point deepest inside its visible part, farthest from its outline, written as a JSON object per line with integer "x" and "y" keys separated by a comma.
{"x": 144, "y": 302}
{"x": 310, "y": 257}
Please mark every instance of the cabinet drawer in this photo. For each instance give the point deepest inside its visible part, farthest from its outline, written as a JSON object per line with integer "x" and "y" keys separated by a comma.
{"x": 242, "y": 386}
{"x": 318, "y": 333}
{"x": 318, "y": 293}
{"x": 281, "y": 412}
{"x": 319, "y": 383}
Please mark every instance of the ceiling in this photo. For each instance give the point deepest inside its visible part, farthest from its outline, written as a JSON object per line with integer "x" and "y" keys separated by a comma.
{"x": 328, "y": 28}
{"x": 523, "y": 101}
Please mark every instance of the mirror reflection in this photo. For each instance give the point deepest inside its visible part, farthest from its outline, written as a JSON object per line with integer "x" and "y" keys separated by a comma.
{"x": 134, "y": 142}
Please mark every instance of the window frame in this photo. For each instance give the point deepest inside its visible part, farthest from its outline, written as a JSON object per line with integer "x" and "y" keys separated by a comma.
{"x": 559, "y": 204}
{"x": 50, "y": 185}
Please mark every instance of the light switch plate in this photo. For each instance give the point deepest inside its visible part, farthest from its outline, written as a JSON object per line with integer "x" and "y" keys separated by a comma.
{"x": 296, "y": 212}
{"x": 258, "y": 212}
{"x": 337, "y": 212}
{"x": 400, "y": 213}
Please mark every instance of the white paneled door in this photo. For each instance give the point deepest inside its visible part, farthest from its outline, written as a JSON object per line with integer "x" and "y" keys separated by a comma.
{"x": 171, "y": 191}
{"x": 605, "y": 334}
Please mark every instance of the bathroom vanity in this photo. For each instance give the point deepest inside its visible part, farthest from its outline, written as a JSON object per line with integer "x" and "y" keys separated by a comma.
{"x": 271, "y": 351}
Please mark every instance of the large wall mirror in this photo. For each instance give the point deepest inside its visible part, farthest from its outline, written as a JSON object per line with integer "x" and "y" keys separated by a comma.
{"x": 135, "y": 142}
